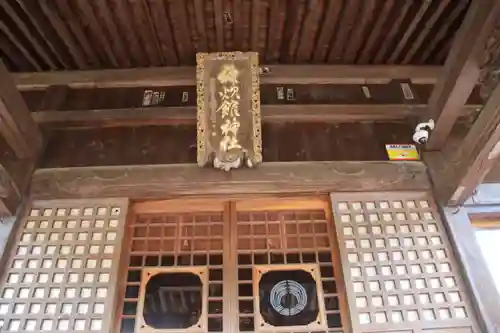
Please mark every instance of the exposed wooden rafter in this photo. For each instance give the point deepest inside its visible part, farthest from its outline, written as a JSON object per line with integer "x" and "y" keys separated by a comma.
{"x": 462, "y": 69}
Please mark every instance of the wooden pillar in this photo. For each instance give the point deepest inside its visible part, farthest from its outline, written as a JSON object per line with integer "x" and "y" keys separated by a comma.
{"x": 461, "y": 69}
{"x": 17, "y": 126}
{"x": 457, "y": 173}
{"x": 20, "y": 144}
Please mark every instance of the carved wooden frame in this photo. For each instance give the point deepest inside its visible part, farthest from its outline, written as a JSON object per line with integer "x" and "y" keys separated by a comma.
{"x": 147, "y": 274}
{"x": 201, "y": 130}
{"x": 317, "y": 325}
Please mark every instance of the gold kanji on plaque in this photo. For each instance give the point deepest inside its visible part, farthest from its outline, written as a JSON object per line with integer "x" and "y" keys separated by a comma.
{"x": 228, "y": 110}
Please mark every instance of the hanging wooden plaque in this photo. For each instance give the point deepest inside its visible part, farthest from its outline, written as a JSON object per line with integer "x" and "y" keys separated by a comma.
{"x": 228, "y": 110}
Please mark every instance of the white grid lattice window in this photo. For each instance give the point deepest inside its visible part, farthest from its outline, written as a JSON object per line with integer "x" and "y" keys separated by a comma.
{"x": 399, "y": 269}
{"x": 58, "y": 277}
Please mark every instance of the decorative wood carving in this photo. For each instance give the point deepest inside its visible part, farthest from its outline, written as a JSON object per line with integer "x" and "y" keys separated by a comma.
{"x": 228, "y": 110}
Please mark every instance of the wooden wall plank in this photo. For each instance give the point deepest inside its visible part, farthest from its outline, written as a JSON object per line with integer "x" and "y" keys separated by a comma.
{"x": 219, "y": 25}
{"x": 14, "y": 40}
{"x": 200, "y": 26}
{"x": 143, "y": 24}
{"x": 164, "y": 181}
{"x": 275, "y": 33}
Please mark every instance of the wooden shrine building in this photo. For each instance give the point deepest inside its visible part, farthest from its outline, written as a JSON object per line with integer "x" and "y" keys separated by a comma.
{"x": 250, "y": 166}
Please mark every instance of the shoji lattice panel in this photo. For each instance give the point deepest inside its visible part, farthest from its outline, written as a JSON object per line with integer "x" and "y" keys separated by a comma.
{"x": 285, "y": 237}
{"x": 62, "y": 270}
{"x": 175, "y": 240}
{"x": 398, "y": 265}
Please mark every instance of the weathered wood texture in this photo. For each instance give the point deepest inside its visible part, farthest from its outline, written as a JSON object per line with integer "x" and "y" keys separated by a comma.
{"x": 45, "y": 35}
{"x": 462, "y": 69}
{"x": 475, "y": 270}
{"x": 185, "y": 76}
{"x": 458, "y": 171}
{"x": 163, "y": 181}
{"x": 99, "y": 107}
{"x": 16, "y": 124}
{"x": 177, "y": 144}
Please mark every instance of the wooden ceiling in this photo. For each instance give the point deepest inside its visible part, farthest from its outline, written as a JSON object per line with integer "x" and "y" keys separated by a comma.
{"x": 100, "y": 34}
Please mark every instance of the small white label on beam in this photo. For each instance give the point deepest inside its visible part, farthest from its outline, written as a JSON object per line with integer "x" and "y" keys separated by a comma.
{"x": 185, "y": 96}
{"x": 280, "y": 92}
{"x": 366, "y": 91}
{"x": 290, "y": 94}
{"x": 405, "y": 87}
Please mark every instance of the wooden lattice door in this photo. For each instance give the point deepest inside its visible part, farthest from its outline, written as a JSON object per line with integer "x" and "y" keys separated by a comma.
{"x": 399, "y": 267}
{"x": 231, "y": 240}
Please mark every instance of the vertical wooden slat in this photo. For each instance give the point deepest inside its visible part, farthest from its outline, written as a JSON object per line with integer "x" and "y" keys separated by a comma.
{"x": 309, "y": 30}
{"x": 254, "y": 35}
{"x": 395, "y": 28}
{"x": 164, "y": 32}
{"x": 275, "y": 32}
{"x": 19, "y": 45}
{"x": 76, "y": 28}
{"x": 443, "y": 31}
{"x": 115, "y": 39}
{"x": 374, "y": 33}
{"x": 346, "y": 25}
{"x": 100, "y": 40}
{"x": 409, "y": 31}
{"x": 356, "y": 38}
{"x": 429, "y": 24}
{"x": 124, "y": 20}
{"x": 293, "y": 25}
{"x": 29, "y": 36}
{"x": 43, "y": 26}
{"x": 328, "y": 28}
{"x": 230, "y": 265}
{"x": 16, "y": 125}
{"x": 178, "y": 18}
{"x": 64, "y": 34}
{"x": 219, "y": 25}
{"x": 200, "y": 25}
{"x": 461, "y": 69}
{"x": 238, "y": 24}
{"x": 143, "y": 26}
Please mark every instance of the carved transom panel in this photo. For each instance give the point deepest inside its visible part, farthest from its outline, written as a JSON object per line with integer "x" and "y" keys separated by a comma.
{"x": 399, "y": 268}
{"x": 61, "y": 273}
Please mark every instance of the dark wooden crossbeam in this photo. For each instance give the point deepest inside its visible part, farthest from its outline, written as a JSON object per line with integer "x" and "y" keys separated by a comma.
{"x": 457, "y": 171}
{"x": 462, "y": 69}
{"x": 63, "y": 107}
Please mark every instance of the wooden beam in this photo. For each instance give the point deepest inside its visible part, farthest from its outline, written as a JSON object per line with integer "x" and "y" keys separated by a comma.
{"x": 270, "y": 113}
{"x": 185, "y": 76}
{"x": 461, "y": 69}
{"x": 164, "y": 181}
{"x": 458, "y": 173}
{"x": 16, "y": 124}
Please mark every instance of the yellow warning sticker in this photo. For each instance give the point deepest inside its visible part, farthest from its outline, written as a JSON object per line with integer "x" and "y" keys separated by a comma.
{"x": 402, "y": 152}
